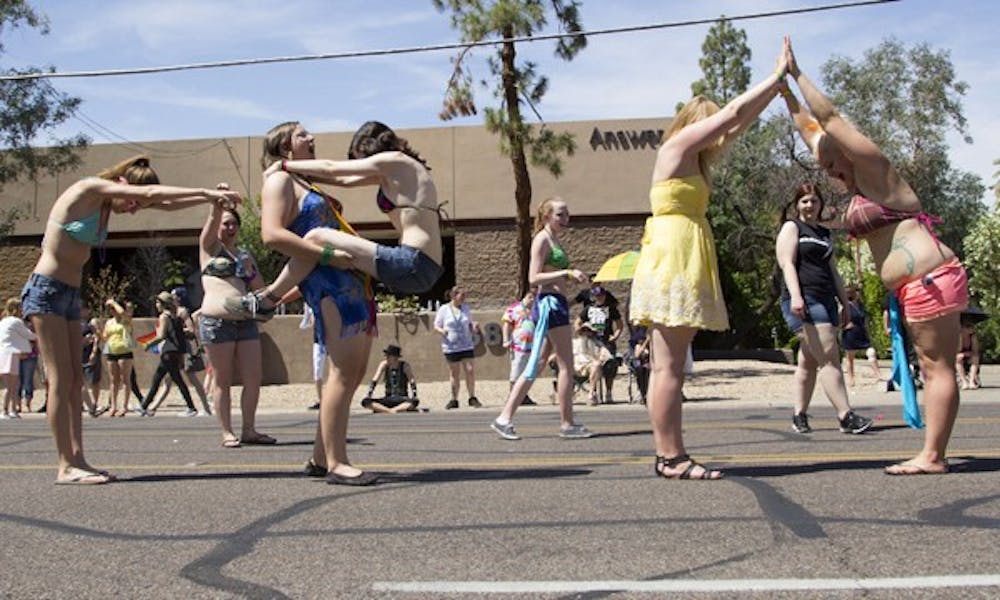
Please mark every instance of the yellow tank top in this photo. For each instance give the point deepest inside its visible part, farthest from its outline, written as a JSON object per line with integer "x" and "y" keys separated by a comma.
{"x": 117, "y": 338}
{"x": 679, "y": 196}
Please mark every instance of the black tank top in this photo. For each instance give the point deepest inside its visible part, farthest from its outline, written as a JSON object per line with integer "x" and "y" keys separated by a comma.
{"x": 396, "y": 380}
{"x": 812, "y": 262}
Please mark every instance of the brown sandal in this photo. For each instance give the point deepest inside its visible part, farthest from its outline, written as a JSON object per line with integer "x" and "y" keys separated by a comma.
{"x": 671, "y": 463}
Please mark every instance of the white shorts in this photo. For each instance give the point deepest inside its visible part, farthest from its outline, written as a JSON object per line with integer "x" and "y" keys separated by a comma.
{"x": 9, "y": 363}
{"x": 319, "y": 362}
{"x": 518, "y": 361}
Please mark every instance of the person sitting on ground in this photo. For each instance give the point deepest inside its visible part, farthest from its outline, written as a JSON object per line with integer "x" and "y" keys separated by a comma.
{"x": 967, "y": 359}
{"x": 398, "y": 376}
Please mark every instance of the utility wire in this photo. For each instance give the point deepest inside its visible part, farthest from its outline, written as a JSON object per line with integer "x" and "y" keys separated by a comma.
{"x": 431, "y": 48}
{"x": 153, "y": 151}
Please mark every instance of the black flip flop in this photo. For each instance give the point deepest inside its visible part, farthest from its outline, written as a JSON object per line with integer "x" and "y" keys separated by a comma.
{"x": 365, "y": 478}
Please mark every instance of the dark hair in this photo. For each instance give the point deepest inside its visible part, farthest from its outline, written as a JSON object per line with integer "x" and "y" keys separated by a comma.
{"x": 804, "y": 189}
{"x": 236, "y": 215}
{"x": 182, "y": 296}
{"x": 374, "y": 137}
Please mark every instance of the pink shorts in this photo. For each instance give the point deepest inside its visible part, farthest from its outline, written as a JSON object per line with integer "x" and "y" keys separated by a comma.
{"x": 941, "y": 292}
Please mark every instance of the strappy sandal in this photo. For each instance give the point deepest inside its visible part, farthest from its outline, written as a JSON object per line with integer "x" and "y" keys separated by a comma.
{"x": 671, "y": 463}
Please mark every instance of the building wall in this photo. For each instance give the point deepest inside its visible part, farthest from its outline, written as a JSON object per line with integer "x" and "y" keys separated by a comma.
{"x": 16, "y": 263}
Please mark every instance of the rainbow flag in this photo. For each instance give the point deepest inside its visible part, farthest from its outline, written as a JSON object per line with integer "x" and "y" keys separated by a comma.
{"x": 142, "y": 339}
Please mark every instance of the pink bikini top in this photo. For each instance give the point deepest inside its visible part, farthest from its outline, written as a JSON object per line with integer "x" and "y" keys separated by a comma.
{"x": 864, "y": 216}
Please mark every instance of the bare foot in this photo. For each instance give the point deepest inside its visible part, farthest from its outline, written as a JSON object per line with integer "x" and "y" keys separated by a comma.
{"x": 914, "y": 467}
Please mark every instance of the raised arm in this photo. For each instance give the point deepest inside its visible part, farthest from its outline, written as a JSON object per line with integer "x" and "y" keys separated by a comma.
{"x": 163, "y": 197}
{"x": 347, "y": 173}
{"x": 873, "y": 174}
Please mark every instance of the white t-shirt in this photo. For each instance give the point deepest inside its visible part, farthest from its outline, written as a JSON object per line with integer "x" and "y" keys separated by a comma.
{"x": 458, "y": 325}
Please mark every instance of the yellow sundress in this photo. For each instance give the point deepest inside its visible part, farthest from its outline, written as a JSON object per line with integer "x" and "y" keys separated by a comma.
{"x": 676, "y": 280}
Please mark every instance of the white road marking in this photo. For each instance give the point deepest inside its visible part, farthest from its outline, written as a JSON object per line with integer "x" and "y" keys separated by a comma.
{"x": 681, "y": 585}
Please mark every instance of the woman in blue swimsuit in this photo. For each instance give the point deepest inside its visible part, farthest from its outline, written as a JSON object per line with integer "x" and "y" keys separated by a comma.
{"x": 341, "y": 299}
{"x": 77, "y": 222}
{"x": 406, "y": 195}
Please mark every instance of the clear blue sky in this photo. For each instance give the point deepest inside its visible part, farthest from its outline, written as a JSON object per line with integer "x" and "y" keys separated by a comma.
{"x": 616, "y": 76}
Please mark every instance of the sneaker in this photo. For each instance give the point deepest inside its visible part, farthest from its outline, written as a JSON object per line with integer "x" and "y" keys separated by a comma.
{"x": 248, "y": 307}
{"x": 452, "y": 404}
{"x": 505, "y": 431}
{"x": 474, "y": 402}
{"x": 854, "y": 423}
{"x": 187, "y": 413}
{"x": 3, "y": 416}
{"x": 575, "y": 432}
{"x": 528, "y": 402}
{"x": 202, "y": 413}
{"x": 800, "y": 423}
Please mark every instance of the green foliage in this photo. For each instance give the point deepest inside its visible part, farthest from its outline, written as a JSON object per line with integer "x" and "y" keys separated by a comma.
{"x": 30, "y": 108}
{"x": 725, "y": 62}
{"x": 397, "y": 305}
{"x": 514, "y": 86}
{"x": 907, "y": 100}
{"x": 269, "y": 262}
{"x": 982, "y": 260}
{"x": 108, "y": 283}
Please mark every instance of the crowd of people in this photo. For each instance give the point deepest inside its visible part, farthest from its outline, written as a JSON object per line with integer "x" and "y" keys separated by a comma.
{"x": 675, "y": 291}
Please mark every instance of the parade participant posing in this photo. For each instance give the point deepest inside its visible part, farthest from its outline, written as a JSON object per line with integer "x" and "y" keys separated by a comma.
{"x": 341, "y": 299}
{"x": 676, "y": 289}
{"x": 407, "y": 196}
{"x": 926, "y": 278}
{"x": 78, "y": 222}
{"x": 810, "y": 289}
{"x": 549, "y": 270}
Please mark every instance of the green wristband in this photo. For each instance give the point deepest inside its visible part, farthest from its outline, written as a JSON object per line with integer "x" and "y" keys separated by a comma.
{"x": 326, "y": 256}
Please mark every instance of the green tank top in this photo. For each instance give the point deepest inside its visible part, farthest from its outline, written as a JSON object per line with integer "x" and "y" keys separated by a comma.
{"x": 557, "y": 258}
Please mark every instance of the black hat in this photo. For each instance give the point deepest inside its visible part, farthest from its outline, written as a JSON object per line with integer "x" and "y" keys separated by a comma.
{"x": 392, "y": 350}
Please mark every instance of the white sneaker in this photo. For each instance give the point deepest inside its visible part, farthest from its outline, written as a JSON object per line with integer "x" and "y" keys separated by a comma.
{"x": 575, "y": 432}
{"x": 13, "y": 415}
{"x": 187, "y": 413}
{"x": 202, "y": 413}
{"x": 3, "y": 416}
{"x": 505, "y": 431}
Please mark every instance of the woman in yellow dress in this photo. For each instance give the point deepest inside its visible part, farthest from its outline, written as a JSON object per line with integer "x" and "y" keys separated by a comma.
{"x": 676, "y": 288}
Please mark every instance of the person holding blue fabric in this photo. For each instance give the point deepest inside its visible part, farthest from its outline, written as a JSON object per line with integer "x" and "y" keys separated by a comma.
{"x": 810, "y": 289}
{"x": 77, "y": 223}
{"x": 927, "y": 281}
{"x": 550, "y": 270}
{"x": 340, "y": 298}
{"x": 406, "y": 195}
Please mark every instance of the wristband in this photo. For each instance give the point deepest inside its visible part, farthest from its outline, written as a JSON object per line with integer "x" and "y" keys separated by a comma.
{"x": 780, "y": 73}
{"x": 284, "y": 165}
{"x": 326, "y": 256}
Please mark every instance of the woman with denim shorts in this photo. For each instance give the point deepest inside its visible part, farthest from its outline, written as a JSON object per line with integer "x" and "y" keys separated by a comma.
{"x": 340, "y": 297}
{"x": 925, "y": 277}
{"x": 406, "y": 195}
{"x": 77, "y": 223}
{"x": 810, "y": 288}
{"x": 232, "y": 343}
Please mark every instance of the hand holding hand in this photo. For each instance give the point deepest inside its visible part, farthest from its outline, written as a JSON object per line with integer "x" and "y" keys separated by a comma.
{"x": 791, "y": 67}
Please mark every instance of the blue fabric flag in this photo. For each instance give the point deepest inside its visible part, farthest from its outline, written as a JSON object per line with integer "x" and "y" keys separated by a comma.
{"x": 901, "y": 367}
{"x": 545, "y": 306}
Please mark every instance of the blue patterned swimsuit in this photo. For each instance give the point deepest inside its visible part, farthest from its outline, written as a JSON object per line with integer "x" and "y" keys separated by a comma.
{"x": 348, "y": 289}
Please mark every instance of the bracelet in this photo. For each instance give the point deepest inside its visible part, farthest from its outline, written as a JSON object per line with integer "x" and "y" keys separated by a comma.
{"x": 284, "y": 166}
{"x": 326, "y": 256}
{"x": 780, "y": 73}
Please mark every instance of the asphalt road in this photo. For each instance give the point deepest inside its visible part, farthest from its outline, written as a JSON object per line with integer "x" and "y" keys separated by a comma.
{"x": 461, "y": 512}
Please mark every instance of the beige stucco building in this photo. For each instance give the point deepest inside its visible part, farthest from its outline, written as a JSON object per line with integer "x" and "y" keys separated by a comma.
{"x": 605, "y": 183}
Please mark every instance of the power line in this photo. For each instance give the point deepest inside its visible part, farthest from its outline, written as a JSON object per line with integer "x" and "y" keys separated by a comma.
{"x": 430, "y": 48}
{"x": 152, "y": 151}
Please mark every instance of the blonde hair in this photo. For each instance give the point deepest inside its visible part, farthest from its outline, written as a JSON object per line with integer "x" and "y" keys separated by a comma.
{"x": 135, "y": 170}
{"x": 697, "y": 109}
{"x": 278, "y": 143}
{"x": 12, "y": 307}
{"x": 544, "y": 210}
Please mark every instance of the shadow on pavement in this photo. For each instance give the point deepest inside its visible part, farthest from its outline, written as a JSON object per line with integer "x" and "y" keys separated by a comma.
{"x": 456, "y": 475}
{"x": 959, "y": 464}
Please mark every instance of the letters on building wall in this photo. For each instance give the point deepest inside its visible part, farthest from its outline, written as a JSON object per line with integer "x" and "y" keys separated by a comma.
{"x": 625, "y": 140}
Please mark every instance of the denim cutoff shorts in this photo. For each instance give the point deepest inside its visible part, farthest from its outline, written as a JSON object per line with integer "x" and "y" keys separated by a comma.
{"x": 43, "y": 295}
{"x": 817, "y": 311}
{"x": 406, "y": 270}
{"x": 214, "y": 330}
